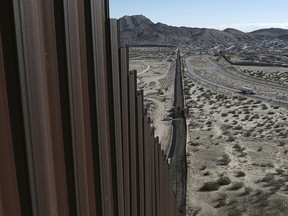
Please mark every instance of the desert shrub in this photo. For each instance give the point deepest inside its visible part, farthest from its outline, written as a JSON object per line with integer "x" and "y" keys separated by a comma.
{"x": 230, "y": 139}
{"x": 236, "y": 185}
{"x": 238, "y": 127}
{"x": 276, "y": 107}
{"x": 225, "y": 160}
{"x": 242, "y": 154}
{"x": 224, "y": 180}
{"x": 269, "y": 178}
{"x": 232, "y": 201}
{"x": 247, "y": 190}
{"x": 247, "y": 133}
{"x": 258, "y": 192}
{"x": 221, "y": 200}
{"x": 280, "y": 171}
{"x": 239, "y": 148}
{"x": 264, "y": 107}
{"x": 256, "y": 116}
{"x": 224, "y": 114}
{"x": 282, "y": 143}
{"x": 210, "y": 186}
{"x": 206, "y": 173}
{"x": 240, "y": 174}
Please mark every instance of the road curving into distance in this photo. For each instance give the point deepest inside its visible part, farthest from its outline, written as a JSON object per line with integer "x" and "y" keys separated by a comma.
{"x": 245, "y": 78}
{"x": 235, "y": 90}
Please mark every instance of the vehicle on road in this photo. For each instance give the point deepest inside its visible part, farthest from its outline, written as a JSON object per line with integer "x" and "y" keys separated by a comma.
{"x": 246, "y": 90}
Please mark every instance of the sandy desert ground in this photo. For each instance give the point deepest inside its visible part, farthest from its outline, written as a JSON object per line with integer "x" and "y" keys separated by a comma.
{"x": 237, "y": 148}
{"x": 155, "y": 72}
{"x": 236, "y": 152}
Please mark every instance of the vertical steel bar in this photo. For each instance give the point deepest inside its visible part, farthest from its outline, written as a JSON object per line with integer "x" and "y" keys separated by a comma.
{"x": 35, "y": 33}
{"x": 157, "y": 183}
{"x": 147, "y": 168}
{"x": 79, "y": 106}
{"x": 125, "y": 128}
{"x": 152, "y": 165}
{"x": 99, "y": 20}
{"x": 140, "y": 141}
{"x": 88, "y": 163}
{"x": 117, "y": 127}
{"x": 132, "y": 141}
{"x": 12, "y": 79}
{"x": 9, "y": 198}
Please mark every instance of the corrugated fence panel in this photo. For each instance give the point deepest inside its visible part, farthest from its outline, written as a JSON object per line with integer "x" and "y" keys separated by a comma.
{"x": 75, "y": 138}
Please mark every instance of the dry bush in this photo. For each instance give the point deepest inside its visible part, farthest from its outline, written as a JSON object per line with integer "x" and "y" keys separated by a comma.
{"x": 238, "y": 127}
{"x": 225, "y": 160}
{"x": 224, "y": 180}
{"x": 210, "y": 186}
{"x": 240, "y": 174}
{"x": 224, "y": 114}
{"x": 236, "y": 185}
{"x": 230, "y": 139}
{"x": 221, "y": 200}
{"x": 247, "y": 190}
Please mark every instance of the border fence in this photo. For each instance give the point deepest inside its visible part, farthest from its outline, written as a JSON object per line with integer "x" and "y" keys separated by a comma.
{"x": 74, "y": 136}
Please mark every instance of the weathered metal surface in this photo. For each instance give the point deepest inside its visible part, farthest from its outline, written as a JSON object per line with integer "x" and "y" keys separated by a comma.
{"x": 125, "y": 128}
{"x": 117, "y": 115}
{"x": 133, "y": 141}
{"x": 140, "y": 141}
{"x": 34, "y": 22}
{"x": 75, "y": 139}
{"x": 99, "y": 19}
{"x": 9, "y": 198}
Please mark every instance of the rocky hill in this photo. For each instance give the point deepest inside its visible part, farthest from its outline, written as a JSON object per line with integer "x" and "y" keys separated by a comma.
{"x": 140, "y": 30}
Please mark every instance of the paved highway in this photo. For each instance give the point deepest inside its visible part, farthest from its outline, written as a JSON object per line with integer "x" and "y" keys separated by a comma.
{"x": 221, "y": 70}
{"x": 245, "y": 78}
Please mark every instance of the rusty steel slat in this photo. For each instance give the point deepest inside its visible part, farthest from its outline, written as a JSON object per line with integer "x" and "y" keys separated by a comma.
{"x": 50, "y": 50}
{"x": 10, "y": 57}
{"x": 35, "y": 30}
{"x": 152, "y": 165}
{"x": 117, "y": 127}
{"x": 9, "y": 198}
{"x": 160, "y": 181}
{"x": 86, "y": 111}
{"x": 148, "y": 207}
{"x": 79, "y": 107}
{"x": 153, "y": 189}
{"x": 162, "y": 175}
{"x": 125, "y": 128}
{"x": 98, "y": 20}
{"x": 140, "y": 136}
{"x": 166, "y": 179}
{"x": 157, "y": 182}
{"x": 133, "y": 141}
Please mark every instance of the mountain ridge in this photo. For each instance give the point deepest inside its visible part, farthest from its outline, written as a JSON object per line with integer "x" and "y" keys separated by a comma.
{"x": 138, "y": 29}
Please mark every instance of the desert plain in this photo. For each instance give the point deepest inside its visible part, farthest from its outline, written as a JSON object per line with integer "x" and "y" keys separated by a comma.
{"x": 237, "y": 146}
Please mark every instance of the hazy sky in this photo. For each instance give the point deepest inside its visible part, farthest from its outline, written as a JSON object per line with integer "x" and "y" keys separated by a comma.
{"x": 245, "y": 15}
